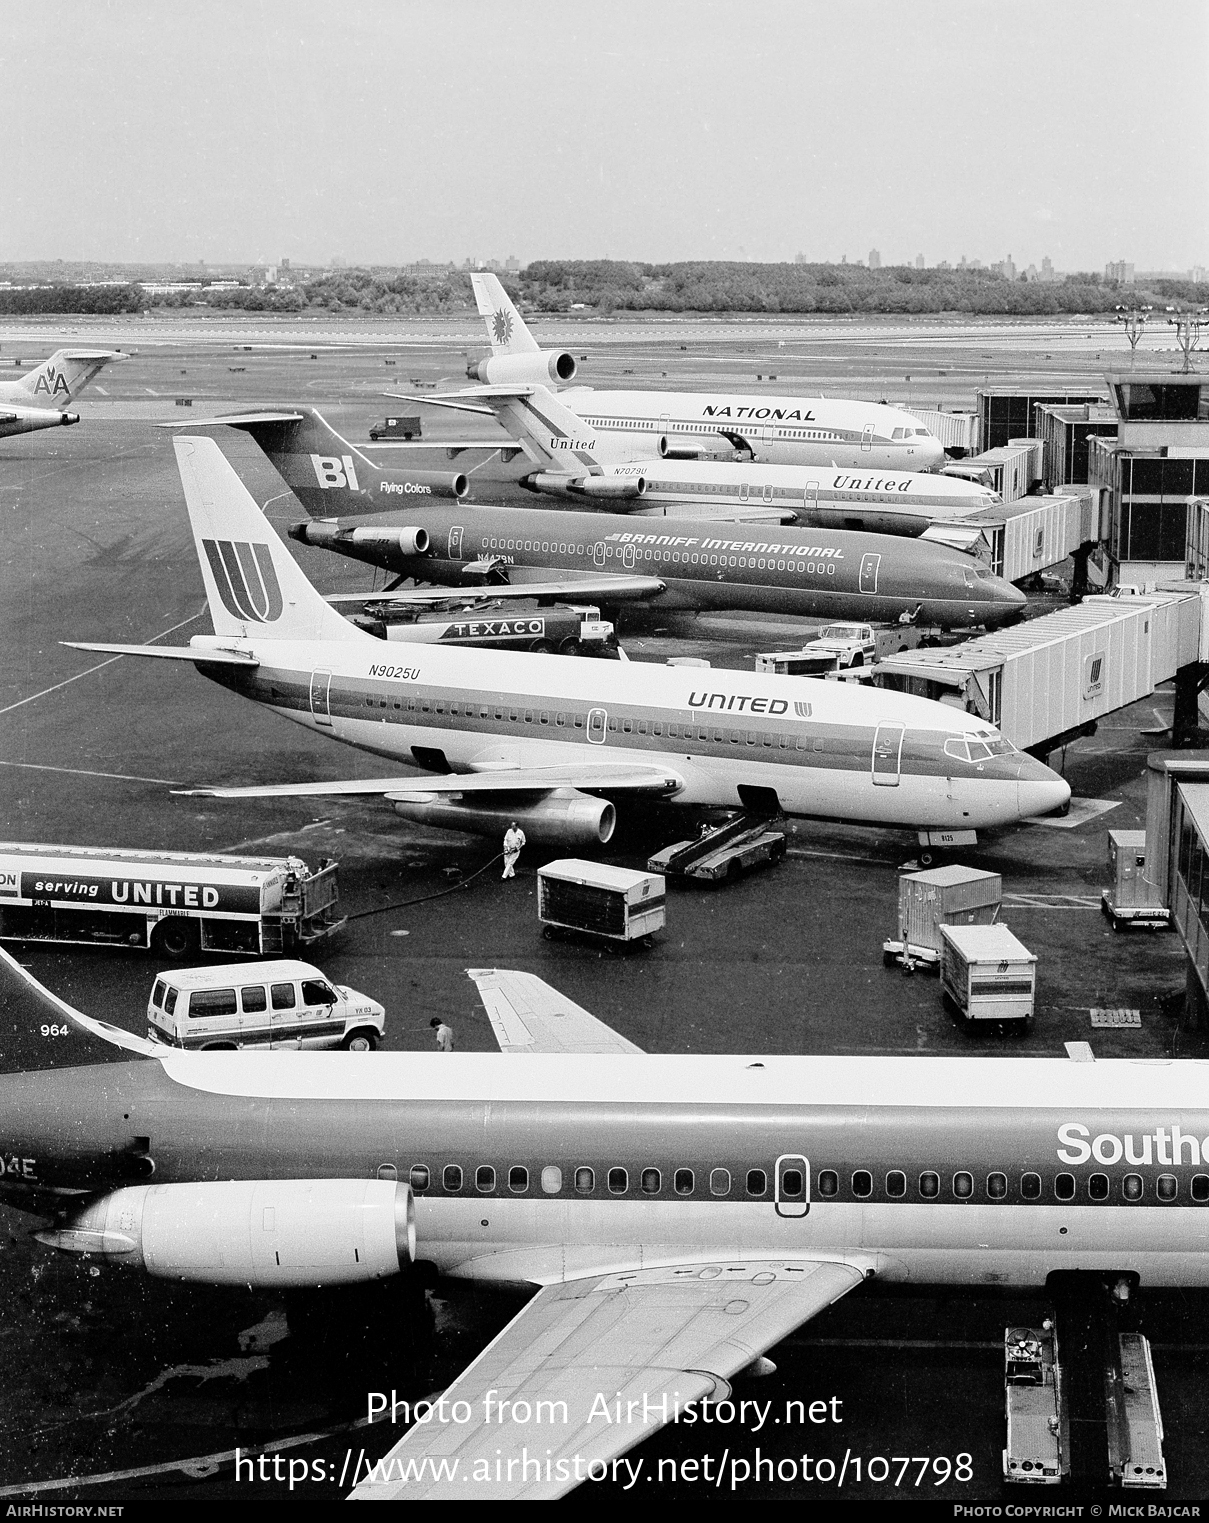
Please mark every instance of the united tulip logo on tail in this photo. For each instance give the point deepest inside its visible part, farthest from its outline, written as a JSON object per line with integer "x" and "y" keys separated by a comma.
{"x": 246, "y": 580}
{"x": 501, "y": 326}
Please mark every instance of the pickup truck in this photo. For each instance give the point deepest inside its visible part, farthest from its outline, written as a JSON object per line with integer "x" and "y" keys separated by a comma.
{"x": 841, "y": 647}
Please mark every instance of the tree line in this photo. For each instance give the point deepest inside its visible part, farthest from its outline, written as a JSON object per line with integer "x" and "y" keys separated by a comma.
{"x": 608, "y": 286}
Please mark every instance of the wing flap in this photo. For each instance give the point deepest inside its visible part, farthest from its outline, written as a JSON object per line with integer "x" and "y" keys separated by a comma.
{"x": 648, "y": 1339}
{"x": 655, "y": 780}
{"x": 527, "y": 1015}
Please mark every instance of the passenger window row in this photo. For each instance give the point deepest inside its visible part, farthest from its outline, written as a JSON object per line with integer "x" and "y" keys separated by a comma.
{"x": 961, "y": 1186}
{"x": 583, "y": 1180}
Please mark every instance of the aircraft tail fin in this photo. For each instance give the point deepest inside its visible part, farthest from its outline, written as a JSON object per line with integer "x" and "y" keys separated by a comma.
{"x": 505, "y": 326}
{"x": 254, "y": 585}
{"x": 330, "y": 477}
{"x": 551, "y": 435}
{"x": 64, "y": 375}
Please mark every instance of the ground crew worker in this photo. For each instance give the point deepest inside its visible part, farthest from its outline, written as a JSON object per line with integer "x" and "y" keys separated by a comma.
{"x": 444, "y": 1034}
{"x": 514, "y": 840}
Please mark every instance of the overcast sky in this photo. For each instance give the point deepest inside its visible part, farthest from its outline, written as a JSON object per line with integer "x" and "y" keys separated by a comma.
{"x": 386, "y": 131}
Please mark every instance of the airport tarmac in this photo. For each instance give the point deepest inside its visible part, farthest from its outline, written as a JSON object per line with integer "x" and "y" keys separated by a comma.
{"x": 107, "y": 1372}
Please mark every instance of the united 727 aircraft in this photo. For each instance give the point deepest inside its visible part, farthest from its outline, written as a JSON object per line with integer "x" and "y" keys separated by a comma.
{"x": 779, "y": 430}
{"x": 36, "y": 400}
{"x": 676, "y": 1216}
{"x": 553, "y": 740}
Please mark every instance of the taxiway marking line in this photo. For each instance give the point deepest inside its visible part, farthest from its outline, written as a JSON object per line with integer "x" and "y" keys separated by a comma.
{"x": 122, "y": 777}
{"x": 837, "y": 856}
{"x": 88, "y": 672}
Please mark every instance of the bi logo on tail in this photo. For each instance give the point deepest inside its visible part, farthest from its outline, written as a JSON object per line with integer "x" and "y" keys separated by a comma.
{"x": 335, "y": 471}
{"x": 246, "y": 580}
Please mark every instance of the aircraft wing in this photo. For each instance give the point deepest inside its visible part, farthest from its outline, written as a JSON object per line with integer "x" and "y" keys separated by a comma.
{"x": 602, "y": 778}
{"x": 169, "y": 652}
{"x": 647, "y": 1338}
{"x": 24, "y": 996}
{"x": 527, "y": 1015}
{"x": 589, "y": 585}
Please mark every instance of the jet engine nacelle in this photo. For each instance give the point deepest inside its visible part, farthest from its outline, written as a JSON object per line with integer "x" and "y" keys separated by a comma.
{"x": 565, "y": 817}
{"x": 537, "y": 369}
{"x": 678, "y": 449}
{"x": 423, "y": 484}
{"x": 611, "y": 488}
{"x": 405, "y": 541}
{"x": 278, "y": 1232}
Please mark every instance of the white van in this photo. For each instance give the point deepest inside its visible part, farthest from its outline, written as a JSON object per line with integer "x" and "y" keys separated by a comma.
{"x": 261, "y": 1004}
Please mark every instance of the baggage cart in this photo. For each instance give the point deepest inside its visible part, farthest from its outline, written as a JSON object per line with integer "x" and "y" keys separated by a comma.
{"x": 986, "y": 973}
{"x": 1135, "y": 1424}
{"x": 593, "y": 899}
{"x": 1131, "y": 899}
{"x": 1038, "y": 1438}
{"x": 940, "y": 896}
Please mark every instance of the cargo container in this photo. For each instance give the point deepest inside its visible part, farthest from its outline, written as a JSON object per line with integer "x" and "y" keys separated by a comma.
{"x": 1048, "y": 680}
{"x": 1131, "y": 899}
{"x": 959, "y": 432}
{"x": 597, "y": 900}
{"x": 987, "y": 974}
{"x": 940, "y": 896}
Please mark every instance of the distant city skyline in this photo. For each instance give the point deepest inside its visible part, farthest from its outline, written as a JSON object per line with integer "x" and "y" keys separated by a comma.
{"x": 382, "y": 132}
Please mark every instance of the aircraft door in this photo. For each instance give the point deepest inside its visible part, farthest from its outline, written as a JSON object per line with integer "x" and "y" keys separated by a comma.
{"x": 455, "y": 543}
{"x": 869, "y": 567}
{"x": 744, "y": 492}
{"x": 887, "y": 754}
{"x": 791, "y": 1185}
{"x": 600, "y": 553}
{"x": 767, "y": 491}
{"x": 598, "y": 724}
{"x": 810, "y": 497}
{"x": 867, "y": 438}
{"x": 321, "y": 682}
{"x": 627, "y": 557}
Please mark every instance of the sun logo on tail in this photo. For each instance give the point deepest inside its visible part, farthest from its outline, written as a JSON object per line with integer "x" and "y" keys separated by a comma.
{"x": 501, "y": 326}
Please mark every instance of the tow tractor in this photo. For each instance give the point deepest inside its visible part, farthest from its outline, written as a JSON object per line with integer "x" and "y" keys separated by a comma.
{"x": 1038, "y": 1431}
{"x": 722, "y": 853}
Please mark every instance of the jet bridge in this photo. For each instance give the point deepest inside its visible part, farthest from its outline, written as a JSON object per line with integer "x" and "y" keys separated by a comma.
{"x": 1050, "y": 680}
{"x": 1020, "y": 539}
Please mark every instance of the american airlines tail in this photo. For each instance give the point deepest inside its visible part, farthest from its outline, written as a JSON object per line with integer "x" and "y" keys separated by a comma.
{"x": 57, "y": 380}
{"x": 505, "y": 326}
{"x": 254, "y": 586}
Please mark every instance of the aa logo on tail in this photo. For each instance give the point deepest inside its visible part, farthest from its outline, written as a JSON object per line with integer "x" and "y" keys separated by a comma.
{"x": 335, "y": 471}
{"x": 246, "y": 580}
{"x": 501, "y": 326}
{"x": 51, "y": 383}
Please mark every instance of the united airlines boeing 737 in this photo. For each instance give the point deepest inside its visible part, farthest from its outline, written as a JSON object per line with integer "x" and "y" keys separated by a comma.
{"x": 552, "y": 741}
{"x": 676, "y": 1216}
